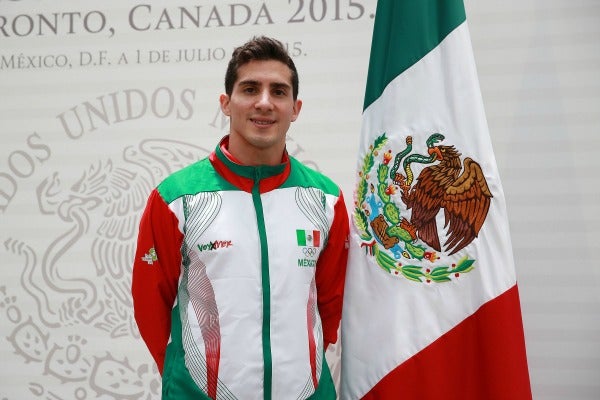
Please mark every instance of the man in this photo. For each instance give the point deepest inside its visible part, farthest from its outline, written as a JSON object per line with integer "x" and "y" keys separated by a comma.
{"x": 241, "y": 258}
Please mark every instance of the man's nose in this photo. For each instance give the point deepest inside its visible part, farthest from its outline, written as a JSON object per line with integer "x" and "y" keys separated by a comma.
{"x": 264, "y": 100}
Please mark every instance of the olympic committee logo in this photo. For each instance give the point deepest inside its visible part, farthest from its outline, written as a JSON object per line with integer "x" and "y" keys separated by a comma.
{"x": 309, "y": 241}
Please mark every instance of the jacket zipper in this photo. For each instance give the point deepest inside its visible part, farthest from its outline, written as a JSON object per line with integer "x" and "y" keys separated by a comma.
{"x": 266, "y": 287}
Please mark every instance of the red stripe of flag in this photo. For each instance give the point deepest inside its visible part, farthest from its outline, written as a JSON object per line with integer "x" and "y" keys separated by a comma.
{"x": 483, "y": 357}
{"x": 316, "y": 238}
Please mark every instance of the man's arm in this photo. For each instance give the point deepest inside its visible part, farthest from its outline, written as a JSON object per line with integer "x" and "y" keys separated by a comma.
{"x": 331, "y": 273}
{"x": 156, "y": 271}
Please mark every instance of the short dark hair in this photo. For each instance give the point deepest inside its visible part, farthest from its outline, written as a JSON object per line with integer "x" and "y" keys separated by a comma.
{"x": 259, "y": 48}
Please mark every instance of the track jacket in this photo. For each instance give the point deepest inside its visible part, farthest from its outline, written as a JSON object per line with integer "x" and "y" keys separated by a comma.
{"x": 238, "y": 279}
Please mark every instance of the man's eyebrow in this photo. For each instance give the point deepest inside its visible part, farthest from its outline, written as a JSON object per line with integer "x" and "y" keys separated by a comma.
{"x": 280, "y": 85}
{"x": 250, "y": 82}
{"x": 276, "y": 85}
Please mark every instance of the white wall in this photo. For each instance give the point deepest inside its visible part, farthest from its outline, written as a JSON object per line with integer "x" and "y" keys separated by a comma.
{"x": 539, "y": 63}
{"x": 66, "y": 192}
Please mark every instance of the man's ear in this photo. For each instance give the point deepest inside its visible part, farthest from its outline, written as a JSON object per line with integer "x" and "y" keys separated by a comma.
{"x": 224, "y": 101}
{"x": 297, "y": 108}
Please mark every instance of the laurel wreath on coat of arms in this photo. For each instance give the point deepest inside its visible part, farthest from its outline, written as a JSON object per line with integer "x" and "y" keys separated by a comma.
{"x": 395, "y": 241}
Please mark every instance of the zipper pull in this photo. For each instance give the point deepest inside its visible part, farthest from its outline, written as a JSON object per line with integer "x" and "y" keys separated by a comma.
{"x": 257, "y": 176}
{"x": 256, "y": 173}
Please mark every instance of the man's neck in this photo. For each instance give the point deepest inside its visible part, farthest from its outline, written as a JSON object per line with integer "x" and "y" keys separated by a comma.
{"x": 253, "y": 157}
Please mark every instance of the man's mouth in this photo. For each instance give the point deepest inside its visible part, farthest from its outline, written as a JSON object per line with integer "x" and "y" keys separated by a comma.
{"x": 264, "y": 122}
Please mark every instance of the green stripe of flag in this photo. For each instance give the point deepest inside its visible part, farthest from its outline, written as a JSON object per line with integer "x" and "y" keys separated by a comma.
{"x": 404, "y": 32}
{"x": 301, "y": 237}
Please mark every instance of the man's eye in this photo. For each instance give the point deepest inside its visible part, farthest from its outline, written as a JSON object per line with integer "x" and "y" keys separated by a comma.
{"x": 279, "y": 92}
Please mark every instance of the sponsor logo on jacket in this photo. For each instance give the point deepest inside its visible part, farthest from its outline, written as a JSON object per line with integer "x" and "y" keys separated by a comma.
{"x": 216, "y": 245}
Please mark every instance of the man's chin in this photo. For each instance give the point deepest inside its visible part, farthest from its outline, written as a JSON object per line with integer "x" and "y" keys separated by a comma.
{"x": 265, "y": 139}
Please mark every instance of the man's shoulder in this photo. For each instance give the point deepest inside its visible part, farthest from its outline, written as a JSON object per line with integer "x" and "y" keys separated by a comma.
{"x": 192, "y": 179}
{"x": 303, "y": 175}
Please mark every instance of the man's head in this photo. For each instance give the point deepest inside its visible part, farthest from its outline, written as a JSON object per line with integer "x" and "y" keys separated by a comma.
{"x": 260, "y": 101}
{"x": 260, "y": 49}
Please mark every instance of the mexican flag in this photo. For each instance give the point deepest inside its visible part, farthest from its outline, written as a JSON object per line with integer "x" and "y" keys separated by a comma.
{"x": 308, "y": 238}
{"x": 431, "y": 305}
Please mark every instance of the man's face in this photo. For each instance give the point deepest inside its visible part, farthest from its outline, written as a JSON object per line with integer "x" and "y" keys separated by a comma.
{"x": 261, "y": 108}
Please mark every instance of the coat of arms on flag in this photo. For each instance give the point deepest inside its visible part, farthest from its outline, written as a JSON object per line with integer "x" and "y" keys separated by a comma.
{"x": 396, "y": 214}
